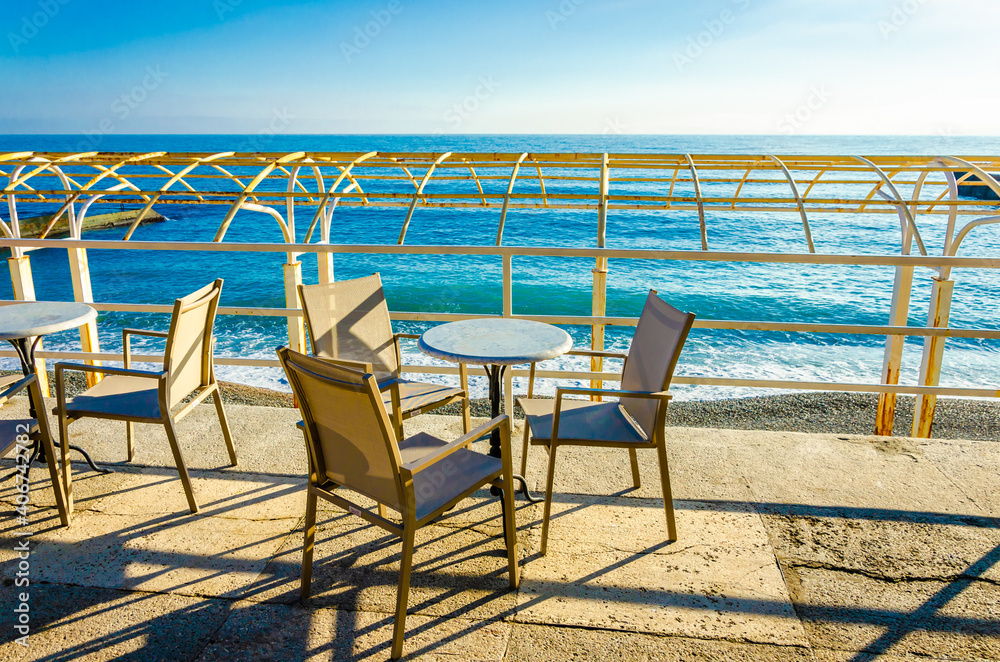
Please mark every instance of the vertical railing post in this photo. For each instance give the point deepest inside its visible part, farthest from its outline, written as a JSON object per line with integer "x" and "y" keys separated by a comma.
{"x": 508, "y": 311}
{"x": 24, "y": 290}
{"x": 902, "y": 286}
{"x": 296, "y": 324}
{"x": 79, "y": 268}
{"x": 599, "y": 303}
{"x": 324, "y": 264}
{"x": 930, "y": 364}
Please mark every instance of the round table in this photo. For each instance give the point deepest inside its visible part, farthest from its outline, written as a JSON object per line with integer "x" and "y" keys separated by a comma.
{"x": 24, "y": 324}
{"x": 496, "y": 343}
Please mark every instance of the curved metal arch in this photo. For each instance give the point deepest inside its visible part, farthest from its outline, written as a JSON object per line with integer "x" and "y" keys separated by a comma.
{"x": 798, "y": 201}
{"x": 76, "y": 229}
{"x": 506, "y": 197}
{"x": 743, "y": 180}
{"x": 900, "y": 203}
{"x": 479, "y": 184}
{"x": 110, "y": 171}
{"x": 699, "y": 201}
{"x": 248, "y": 190}
{"x": 344, "y": 174}
{"x": 815, "y": 180}
{"x": 170, "y": 182}
{"x": 984, "y": 176}
{"x": 68, "y": 158}
{"x": 276, "y": 215}
{"x": 541, "y": 185}
{"x": 416, "y": 196}
{"x": 989, "y": 220}
{"x": 327, "y": 220}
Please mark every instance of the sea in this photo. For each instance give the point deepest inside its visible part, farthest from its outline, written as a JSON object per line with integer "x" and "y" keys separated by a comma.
{"x": 554, "y": 286}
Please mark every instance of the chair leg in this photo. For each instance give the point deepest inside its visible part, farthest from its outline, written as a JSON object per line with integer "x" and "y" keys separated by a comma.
{"x": 524, "y": 448}
{"x": 381, "y": 510}
{"x": 668, "y": 497}
{"x": 307, "y": 546}
{"x": 224, "y": 423}
{"x": 466, "y": 416}
{"x": 548, "y": 498}
{"x": 129, "y": 431}
{"x": 45, "y": 437}
{"x": 510, "y": 528}
{"x": 633, "y": 458}
{"x": 67, "y": 476}
{"x": 405, "y": 563}
{"x": 168, "y": 424}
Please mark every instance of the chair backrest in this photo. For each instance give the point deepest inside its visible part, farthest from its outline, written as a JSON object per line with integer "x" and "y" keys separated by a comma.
{"x": 652, "y": 356}
{"x": 188, "y": 357}
{"x": 349, "y": 319}
{"x": 349, "y": 437}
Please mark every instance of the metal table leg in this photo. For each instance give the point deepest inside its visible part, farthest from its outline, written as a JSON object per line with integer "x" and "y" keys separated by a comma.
{"x": 25, "y": 348}
{"x": 495, "y": 373}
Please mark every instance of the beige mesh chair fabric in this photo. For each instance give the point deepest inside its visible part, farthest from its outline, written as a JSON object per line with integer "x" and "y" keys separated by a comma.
{"x": 36, "y": 429}
{"x": 349, "y": 321}
{"x": 635, "y": 421}
{"x": 352, "y": 445}
{"x": 142, "y": 396}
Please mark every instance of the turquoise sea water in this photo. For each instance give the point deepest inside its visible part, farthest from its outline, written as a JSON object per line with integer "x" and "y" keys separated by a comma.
{"x": 558, "y": 286}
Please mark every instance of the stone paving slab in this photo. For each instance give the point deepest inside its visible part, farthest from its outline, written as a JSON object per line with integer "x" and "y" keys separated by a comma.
{"x": 929, "y": 619}
{"x": 533, "y": 643}
{"x": 971, "y": 466}
{"x": 608, "y": 566}
{"x": 86, "y": 623}
{"x": 258, "y": 632}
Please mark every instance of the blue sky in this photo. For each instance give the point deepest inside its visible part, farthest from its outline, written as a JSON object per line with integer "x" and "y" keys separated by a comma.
{"x": 556, "y": 66}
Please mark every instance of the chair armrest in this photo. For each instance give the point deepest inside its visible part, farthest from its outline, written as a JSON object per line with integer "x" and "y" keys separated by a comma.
{"x": 414, "y": 336}
{"x": 658, "y": 395}
{"x": 127, "y": 345}
{"x": 15, "y": 387}
{"x": 427, "y": 461}
{"x": 60, "y": 367}
{"x": 143, "y": 332}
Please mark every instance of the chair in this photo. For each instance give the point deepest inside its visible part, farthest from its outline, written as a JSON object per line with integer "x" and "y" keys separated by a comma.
{"x": 349, "y": 320}
{"x": 38, "y": 428}
{"x": 635, "y": 421}
{"x": 352, "y": 444}
{"x": 139, "y": 396}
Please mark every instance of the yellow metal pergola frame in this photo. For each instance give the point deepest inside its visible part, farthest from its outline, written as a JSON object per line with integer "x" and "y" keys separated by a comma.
{"x": 705, "y": 186}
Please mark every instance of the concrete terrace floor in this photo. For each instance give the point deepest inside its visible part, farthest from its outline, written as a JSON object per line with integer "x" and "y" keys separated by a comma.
{"x": 792, "y": 547}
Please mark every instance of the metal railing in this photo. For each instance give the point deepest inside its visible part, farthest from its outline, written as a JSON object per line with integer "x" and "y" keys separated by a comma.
{"x": 696, "y": 187}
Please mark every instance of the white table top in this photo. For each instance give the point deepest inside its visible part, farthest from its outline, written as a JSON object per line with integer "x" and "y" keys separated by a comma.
{"x": 495, "y": 341}
{"x": 24, "y": 320}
